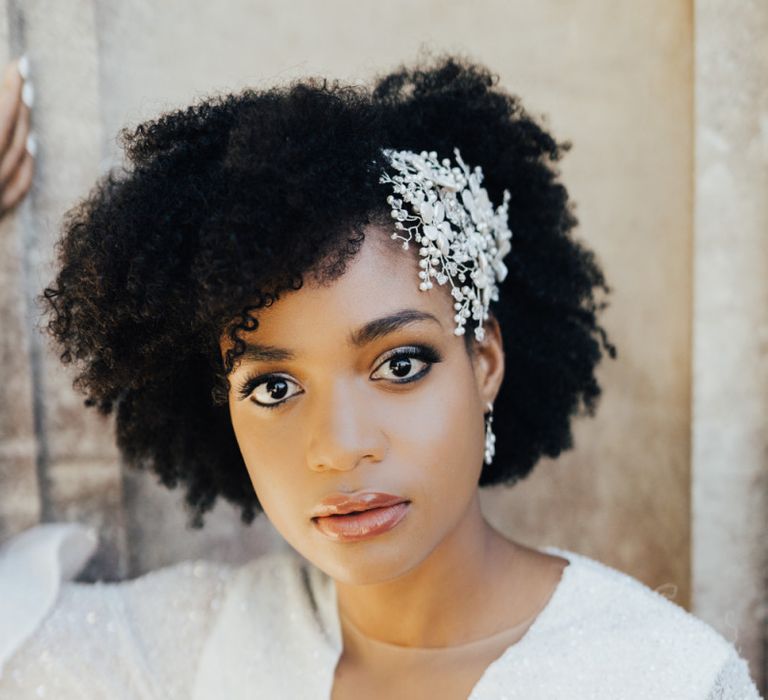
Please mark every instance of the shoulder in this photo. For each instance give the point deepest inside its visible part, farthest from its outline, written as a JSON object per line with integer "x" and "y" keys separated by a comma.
{"x": 277, "y": 630}
{"x": 83, "y": 640}
{"x": 616, "y": 600}
{"x": 628, "y": 628}
{"x": 281, "y": 574}
{"x": 276, "y": 582}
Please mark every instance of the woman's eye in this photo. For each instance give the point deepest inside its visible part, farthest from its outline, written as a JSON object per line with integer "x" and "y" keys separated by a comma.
{"x": 408, "y": 365}
{"x": 269, "y": 392}
{"x": 401, "y": 367}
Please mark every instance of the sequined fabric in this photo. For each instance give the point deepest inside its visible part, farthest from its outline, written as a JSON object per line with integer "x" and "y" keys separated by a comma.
{"x": 270, "y": 629}
{"x": 138, "y": 639}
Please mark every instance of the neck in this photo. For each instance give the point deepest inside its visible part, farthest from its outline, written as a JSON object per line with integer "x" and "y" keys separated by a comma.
{"x": 446, "y": 599}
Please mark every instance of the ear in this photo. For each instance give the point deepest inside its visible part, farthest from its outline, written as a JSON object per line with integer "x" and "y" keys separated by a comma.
{"x": 488, "y": 361}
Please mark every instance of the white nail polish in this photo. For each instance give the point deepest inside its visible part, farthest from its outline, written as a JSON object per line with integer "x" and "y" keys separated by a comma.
{"x": 28, "y": 95}
{"x": 32, "y": 144}
{"x": 23, "y": 67}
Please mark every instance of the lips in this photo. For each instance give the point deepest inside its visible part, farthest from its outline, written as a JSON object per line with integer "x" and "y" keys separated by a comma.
{"x": 345, "y": 518}
{"x": 342, "y": 503}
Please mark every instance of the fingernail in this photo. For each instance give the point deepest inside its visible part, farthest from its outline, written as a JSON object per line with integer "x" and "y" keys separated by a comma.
{"x": 28, "y": 95}
{"x": 23, "y": 67}
{"x": 32, "y": 144}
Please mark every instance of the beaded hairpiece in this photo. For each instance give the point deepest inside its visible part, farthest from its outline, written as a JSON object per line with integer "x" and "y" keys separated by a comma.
{"x": 463, "y": 238}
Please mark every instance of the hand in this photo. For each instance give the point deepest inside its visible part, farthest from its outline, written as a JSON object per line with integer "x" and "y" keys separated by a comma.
{"x": 17, "y": 145}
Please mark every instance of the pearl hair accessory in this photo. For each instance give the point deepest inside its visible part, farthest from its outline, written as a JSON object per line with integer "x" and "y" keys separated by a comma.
{"x": 463, "y": 238}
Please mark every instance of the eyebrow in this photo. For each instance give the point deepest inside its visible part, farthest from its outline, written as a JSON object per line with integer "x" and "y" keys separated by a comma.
{"x": 367, "y": 333}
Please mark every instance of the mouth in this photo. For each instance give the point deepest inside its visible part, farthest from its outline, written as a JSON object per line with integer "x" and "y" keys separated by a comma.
{"x": 362, "y": 524}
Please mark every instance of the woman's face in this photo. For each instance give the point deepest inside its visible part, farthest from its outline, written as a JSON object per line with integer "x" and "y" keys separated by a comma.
{"x": 344, "y": 406}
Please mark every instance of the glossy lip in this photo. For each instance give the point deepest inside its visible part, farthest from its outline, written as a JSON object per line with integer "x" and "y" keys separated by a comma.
{"x": 356, "y": 526}
{"x": 342, "y": 503}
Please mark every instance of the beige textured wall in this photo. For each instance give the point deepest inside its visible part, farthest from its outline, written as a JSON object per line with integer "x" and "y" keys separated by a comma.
{"x": 616, "y": 78}
{"x": 730, "y": 439}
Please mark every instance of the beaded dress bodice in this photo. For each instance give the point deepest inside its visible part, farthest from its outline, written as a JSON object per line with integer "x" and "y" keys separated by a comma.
{"x": 271, "y": 629}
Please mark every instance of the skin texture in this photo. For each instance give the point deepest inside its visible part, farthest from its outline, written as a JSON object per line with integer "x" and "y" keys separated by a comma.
{"x": 16, "y": 162}
{"x": 443, "y": 575}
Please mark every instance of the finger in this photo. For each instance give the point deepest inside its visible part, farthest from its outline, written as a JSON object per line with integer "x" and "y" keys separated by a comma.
{"x": 11, "y": 159}
{"x": 10, "y": 101}
{"x": 18, "y": 185}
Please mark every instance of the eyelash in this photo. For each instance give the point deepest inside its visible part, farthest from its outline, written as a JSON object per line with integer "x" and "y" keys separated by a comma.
{"x": 425, "y": 353}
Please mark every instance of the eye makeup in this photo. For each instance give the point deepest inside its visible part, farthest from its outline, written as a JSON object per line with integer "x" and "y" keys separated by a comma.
{"x": 425, "y": 353}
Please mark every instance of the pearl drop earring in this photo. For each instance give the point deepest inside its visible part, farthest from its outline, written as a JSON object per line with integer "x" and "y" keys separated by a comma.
{"x": 490, "y": 438}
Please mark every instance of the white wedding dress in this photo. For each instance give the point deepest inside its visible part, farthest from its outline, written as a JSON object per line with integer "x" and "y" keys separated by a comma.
{"x": 270, "y": 629}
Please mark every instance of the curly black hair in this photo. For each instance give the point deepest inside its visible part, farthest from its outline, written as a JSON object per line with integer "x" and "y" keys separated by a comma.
{"x": 223, "y": 206}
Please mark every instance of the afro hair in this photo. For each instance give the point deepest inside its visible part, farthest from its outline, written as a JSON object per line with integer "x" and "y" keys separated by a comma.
{"x": 224, "y": 205}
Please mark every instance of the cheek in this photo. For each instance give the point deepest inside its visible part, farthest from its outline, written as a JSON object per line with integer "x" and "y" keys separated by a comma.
{"x": 264, "y": 454}
{"x": 442, "y": 433}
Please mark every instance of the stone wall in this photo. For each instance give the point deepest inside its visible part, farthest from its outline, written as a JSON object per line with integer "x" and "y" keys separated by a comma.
{"x": 730, "y": 321}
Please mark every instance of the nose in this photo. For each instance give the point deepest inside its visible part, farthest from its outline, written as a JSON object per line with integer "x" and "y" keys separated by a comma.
{"x": 343, "y": 430}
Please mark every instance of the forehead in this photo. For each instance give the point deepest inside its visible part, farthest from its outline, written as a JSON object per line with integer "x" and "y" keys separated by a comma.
{"x": 380, "y": 279}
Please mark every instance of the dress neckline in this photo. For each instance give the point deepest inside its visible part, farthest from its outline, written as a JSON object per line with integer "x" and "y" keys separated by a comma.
{"x": 541, "y": 619}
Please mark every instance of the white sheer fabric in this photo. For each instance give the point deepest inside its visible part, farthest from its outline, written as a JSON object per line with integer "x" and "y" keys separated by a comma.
{"x": 32, "y": 568}
{"x": 733, "y": 680}
{"x": 270, "y": 629}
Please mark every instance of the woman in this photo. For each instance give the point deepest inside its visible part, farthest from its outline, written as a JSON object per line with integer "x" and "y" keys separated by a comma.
{"x": 295, "y": 299}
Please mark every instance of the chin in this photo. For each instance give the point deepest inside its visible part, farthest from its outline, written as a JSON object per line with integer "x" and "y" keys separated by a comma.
{"x": 367, "y": 563}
